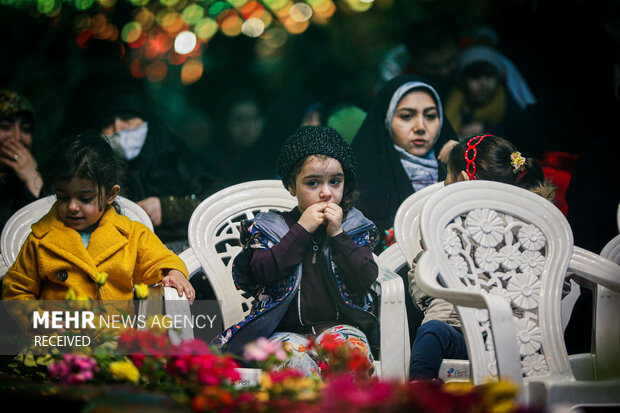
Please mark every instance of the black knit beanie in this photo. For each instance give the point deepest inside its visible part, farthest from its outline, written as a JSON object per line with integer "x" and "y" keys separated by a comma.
{"x": 316, "y": 140}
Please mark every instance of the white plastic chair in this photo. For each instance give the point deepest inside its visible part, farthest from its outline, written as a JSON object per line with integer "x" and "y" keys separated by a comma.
{"x": 407, "y": 221}
{"x": 392, "y": 258}
{"x": 213, "y": 237}
{"x": 604, "y": 360}
{"x": 494, "y": 246}
{"x": 17, "y": 229}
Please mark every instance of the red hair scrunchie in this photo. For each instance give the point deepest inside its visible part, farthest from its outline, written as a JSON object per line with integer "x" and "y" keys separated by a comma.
{"x": 471, "y": 164}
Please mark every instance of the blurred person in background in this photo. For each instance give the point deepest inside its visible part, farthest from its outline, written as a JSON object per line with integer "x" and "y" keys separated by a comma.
{"x": 490, "y": 92}
{"x": 161, "y": 174}
{"x": 430, "y": 49}
{"x": 241, "y": 126}
{"x": 20, "y": 181}
{"x": 290, "y": 110}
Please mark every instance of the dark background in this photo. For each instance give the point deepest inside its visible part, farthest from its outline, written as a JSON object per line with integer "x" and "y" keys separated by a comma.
{"x": 560, "y": 46}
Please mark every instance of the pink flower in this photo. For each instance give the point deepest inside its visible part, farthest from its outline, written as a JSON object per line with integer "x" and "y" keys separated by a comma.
{"x": 73, "y": 369}
{"x": 262, "y": 349}
{"x": 193, "y": 346}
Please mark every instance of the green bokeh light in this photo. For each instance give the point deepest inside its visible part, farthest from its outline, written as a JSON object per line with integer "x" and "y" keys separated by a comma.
{"x": 46, "y": 6}
{"x": 131, "y": 32}
{"x": 206, "y": 28}
{"x": 218, "y": 7}
{"x": 83, "y": 4}
{"x": 193, "y": 13}
{"x": 169, "y": 3}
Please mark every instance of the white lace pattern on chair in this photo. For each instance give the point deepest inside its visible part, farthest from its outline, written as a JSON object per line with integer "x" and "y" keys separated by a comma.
{"x": 226, "y": 242}
{"x": 497, "y": 254}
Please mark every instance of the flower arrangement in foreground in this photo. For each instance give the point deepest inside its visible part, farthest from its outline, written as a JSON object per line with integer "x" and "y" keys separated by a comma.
{"x": 196, "y": 375}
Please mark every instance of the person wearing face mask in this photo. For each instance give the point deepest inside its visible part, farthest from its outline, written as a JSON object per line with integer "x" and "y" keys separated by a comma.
{"x": 20, "y": 182}
{"x": 161, "y": 174}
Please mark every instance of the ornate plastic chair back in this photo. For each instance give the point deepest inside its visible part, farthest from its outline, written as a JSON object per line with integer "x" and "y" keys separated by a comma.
{"x": 213, "y": 236}
{"x": 506, "y": 250}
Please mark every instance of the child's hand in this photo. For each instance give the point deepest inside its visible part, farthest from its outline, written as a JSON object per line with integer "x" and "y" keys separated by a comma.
{"x": 176, "y": 279}
{"x": 313, "y": 217}
{"x": 152, "y": 206}
{"x": 333, "y": 217}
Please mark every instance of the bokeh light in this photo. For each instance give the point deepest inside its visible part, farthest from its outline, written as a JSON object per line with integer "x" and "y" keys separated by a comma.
{"x": 193, "y": 13}
{"x": 157, "y": 71}
{"x": 107, "y": 3}
{"x": 206, "y": 28}
{"x": 131, "y": 32}
{"x": 185, "y": 42}
{"x": 360, "y": 5}
{"x": 83, "y": 4}
{"x": 145, "y": 17}
{"x": 231, "y": 23}
{"x": 300, "y": 12}
{"x": 253, "y": 27}
{"x": 163, "y": 32}
{"x": 191, "y": 71}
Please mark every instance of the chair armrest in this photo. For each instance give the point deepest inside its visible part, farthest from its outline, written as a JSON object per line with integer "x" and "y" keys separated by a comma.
{"x": 191, "y": 261}
{"x": 394, "y": 350}
{"x": 595, "y": 268}
{"x": 500, "y": 316}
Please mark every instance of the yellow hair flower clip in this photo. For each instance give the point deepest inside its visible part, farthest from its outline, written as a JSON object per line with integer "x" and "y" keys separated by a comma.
{"x": 517, "y": 161}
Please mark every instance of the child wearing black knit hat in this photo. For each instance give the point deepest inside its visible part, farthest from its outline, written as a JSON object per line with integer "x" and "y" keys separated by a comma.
{"x": 310, "y": 269}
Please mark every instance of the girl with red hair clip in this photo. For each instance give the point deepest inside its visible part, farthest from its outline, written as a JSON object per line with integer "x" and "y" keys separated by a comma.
{"x": 485, "y": 157}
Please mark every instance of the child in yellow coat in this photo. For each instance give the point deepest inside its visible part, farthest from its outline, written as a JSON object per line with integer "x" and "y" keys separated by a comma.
{"x": 83, "y": 234}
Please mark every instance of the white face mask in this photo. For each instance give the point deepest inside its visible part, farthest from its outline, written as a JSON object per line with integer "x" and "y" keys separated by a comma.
{"x": 129, "y": 142}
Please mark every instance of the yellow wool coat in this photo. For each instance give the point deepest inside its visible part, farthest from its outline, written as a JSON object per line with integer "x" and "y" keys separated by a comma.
{"x": 53, "y": 259}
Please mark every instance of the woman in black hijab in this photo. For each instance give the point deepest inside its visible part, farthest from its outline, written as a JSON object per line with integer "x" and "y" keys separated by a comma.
{"x": 398, "y": 150}
{"x": 398, "y": 145}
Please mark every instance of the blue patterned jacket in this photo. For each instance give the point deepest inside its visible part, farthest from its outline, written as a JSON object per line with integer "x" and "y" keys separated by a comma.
{"x": 270, "y": 303}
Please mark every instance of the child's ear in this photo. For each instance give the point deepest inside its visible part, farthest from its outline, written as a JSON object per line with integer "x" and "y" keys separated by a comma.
{"x": 291, "y": 190}
{"x": 462, "y": 177}
{"x": 112, "y": 194}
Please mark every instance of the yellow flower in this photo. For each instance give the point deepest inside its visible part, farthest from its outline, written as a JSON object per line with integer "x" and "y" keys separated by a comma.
{"x": 459, "y": 387}
{"x": 265, "y": 381}
{"x": 500, "y": 396}
{"x": 142, "y": 291}
{"x": 101, "y": 278}
{"x": 124, "y": 370}
{"x": 71, "y": 295}
{"x": 262, "y": 396}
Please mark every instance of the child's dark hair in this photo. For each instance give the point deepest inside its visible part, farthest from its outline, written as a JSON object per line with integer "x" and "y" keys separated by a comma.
{"x": 480, "y": 69}
{"x": 86, "y": 156}
{"x": 493, "y": 163}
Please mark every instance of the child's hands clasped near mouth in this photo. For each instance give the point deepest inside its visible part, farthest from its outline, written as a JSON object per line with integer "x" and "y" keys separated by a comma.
{"x": 322, "y": 213}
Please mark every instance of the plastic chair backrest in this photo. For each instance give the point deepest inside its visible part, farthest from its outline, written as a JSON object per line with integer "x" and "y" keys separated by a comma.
{"x": 407, "y": 221}
{"x": 391, "y": 258}
{"x": 213, "y": 236}
{"x": 607, "y": 310}
{"x": 497, "y": 239}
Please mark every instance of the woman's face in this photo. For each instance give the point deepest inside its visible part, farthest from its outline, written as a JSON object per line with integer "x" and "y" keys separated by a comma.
{"x": 17, "y": 129}
{"x": 415, "y": 124}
